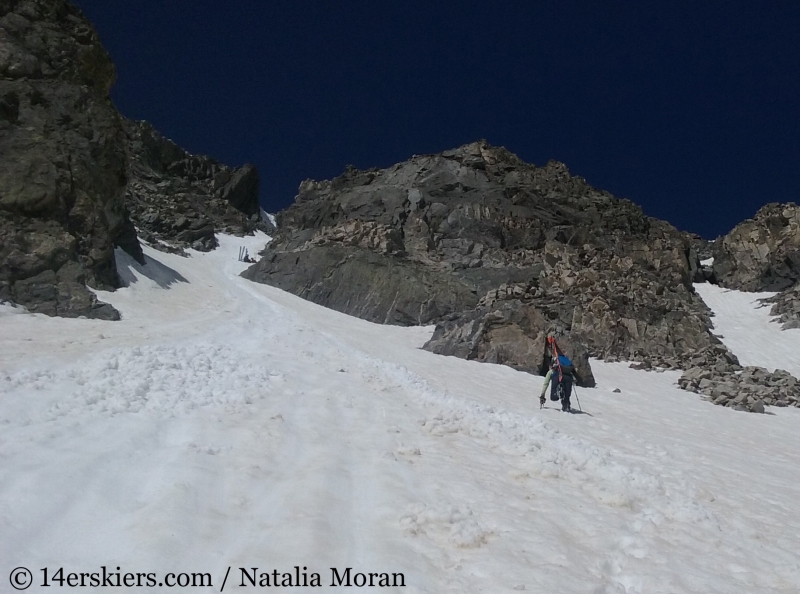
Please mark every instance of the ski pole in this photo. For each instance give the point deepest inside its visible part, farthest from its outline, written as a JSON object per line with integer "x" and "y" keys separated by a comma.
{"x": 578, "y": 399}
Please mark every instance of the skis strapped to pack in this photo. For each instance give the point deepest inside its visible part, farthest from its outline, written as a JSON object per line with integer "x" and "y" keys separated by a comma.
{"x": 551, "y": 343}
{"x": 559, "y": 357}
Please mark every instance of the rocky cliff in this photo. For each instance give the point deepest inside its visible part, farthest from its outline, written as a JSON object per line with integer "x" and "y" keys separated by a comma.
{"x": 178, "y": 200}
{"x": 62, "y": 162}
{"x": 763, "y": 254}
{"x": 75, "y": 176}
{"x": 498, "y": 253}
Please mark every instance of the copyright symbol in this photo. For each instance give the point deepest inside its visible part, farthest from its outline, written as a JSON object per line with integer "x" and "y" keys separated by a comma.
{"x": 21, "y": 578}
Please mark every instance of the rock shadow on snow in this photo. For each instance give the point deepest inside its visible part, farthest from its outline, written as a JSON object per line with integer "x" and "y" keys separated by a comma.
{"x": 159, "y": 273}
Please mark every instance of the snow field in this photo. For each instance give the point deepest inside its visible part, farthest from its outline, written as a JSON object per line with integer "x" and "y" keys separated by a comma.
{"x": 746, "y": 327}
{"x": 149, "y": 378}
{"x": 227, "y": 423}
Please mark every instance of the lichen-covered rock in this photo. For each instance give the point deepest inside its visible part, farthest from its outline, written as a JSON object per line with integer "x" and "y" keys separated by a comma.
{"x": 179, "y": 200}
{"x": 62, "y": 162}
{"x": 497, "y": 252}
{"x": 762, "y": 253}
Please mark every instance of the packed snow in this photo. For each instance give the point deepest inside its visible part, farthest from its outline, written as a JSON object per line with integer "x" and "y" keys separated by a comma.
{"x": 223, "y": 423}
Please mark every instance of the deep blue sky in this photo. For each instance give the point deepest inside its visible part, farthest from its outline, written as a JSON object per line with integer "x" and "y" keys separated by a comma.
{"x": 690, "y": 109}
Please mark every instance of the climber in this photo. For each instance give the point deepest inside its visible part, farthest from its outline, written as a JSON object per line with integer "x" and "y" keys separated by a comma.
{"x": 560, "y": 377}
{"x": 560, "y": 381}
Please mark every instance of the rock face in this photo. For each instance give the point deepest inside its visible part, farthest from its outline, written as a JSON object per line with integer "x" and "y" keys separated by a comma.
{"x": 62, "y": 162}
{"x": 509, "y": 333}
{"x": 786, "y": 306}
{"x": 498, "y": 253}
{"x": 615, "y": 305}
{"x": 701, "y": 252}
{"x": 71, "y": 170}
{"x": 762, "y": 253}
{"x": 178, "y": 200}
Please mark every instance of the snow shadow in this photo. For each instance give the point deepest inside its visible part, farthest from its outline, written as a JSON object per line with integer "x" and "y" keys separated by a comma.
{"x": 159, "y": 273}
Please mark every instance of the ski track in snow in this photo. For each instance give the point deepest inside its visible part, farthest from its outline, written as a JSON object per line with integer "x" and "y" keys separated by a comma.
{"x": 223, "y": 423}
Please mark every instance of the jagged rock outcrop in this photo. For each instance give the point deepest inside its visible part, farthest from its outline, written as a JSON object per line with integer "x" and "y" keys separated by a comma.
{"x": 62, "y": 162}
{"x": 762, "y": 253}
{"x": 75, "y": 176}
{"x": 600, "y": 300}
{"x": 786, "y": 307}
{"x": 701, "y": 253}
{"x": 178, "y": 200}
{"x": 497, "y": 252}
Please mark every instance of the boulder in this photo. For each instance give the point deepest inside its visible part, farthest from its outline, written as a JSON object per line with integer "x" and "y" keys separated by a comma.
{"x": 512, "y": 334}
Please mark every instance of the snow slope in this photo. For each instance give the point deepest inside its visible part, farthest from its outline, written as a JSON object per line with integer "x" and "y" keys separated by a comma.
{"x": 746, "y": 327}
{"x": 225, "y": 423}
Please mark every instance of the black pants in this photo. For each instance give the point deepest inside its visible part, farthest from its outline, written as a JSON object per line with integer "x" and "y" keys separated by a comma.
{"x": 561, "y": 390}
